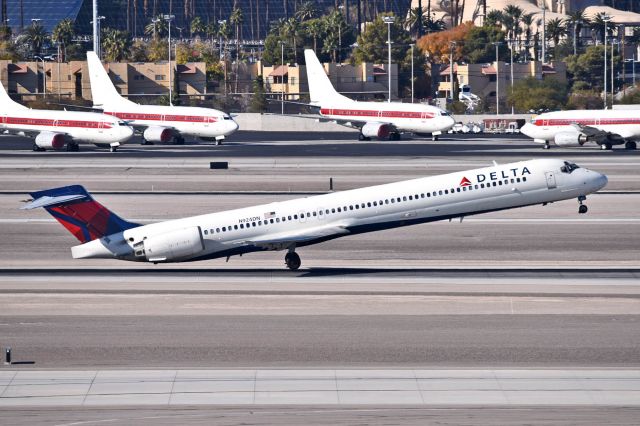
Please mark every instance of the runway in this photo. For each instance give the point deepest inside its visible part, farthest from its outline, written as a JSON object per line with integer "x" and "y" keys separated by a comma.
{"x": 533, "y": 289}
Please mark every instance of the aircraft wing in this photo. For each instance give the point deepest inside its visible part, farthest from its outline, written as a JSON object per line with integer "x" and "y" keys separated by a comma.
{"x": 596, "y": 135}
{"x": 285, "y": 240}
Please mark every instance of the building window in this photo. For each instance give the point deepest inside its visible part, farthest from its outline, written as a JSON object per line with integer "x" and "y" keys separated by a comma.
{"x": 159, "y": 77}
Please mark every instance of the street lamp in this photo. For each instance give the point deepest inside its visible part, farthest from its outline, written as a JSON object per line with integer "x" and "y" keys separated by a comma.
{"x": 389, "y": 20}
{"x": 44, "y": 76}
{"x": 96, "y": 43}
{"x": 605, "y": 19}
{"x": 544, "y": 32}
{"x": 412, "y": 46}
{"x": 169, "y": 18}
{"x": 282, "y": 77}
{"x": 221, "y": 23}
{"x": 614, "y": 42}
{"x": 497, "y": 45}
{"x": 511, "y": 69}
{"x": 452, "y": 44}
{"x": 340, "y": 36}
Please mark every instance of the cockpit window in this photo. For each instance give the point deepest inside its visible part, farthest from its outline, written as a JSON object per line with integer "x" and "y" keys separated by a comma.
{"x": 444, "y": 113}
{"x": 569, "y": 167}
{"x": 121, "y": 123}
{"x": 227, "y": 117}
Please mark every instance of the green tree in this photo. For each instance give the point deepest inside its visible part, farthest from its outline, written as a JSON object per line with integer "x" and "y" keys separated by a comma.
{"x": 258, "y": 99}
{"x": 291, "y": 30}
{"x": 35, "y": 36}
{"x": 338, "y": 35}
{"x": 556, "y": 29}
{"x": 306, "y": 11}
{"x": 211, "y": 30}
{"x": 314, "y": 28}
{"x": 372, "y": 43}
{"x": 577, "y": 20}
{"x": 115, "y": 44}
{"x": 512, "y": 15}
{"x": 477, "y": 45}
{"x": 197, "y": 27}
{"x": 494, "y": 18}
{"x": 598, "y": 25}
{"x": 157, "y": 27}
{"x": 587, "y": 68}
{"x": 63, "y": 34}
{"x": 532, "y": 94}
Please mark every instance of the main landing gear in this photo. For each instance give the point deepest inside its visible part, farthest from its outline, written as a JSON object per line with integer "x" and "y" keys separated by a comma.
{"x": 582, "y": 209}
{"x": 546, "y": 145}
{"x": 362, "y": 137}
{"x": 630, "y": 145}
{"x": 292, "y": 260}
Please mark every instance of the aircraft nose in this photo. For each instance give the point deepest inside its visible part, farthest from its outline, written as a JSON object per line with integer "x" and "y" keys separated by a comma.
{"x": 449, "y": 122}
{"x": 526, "y": 129}
{"x": 600, "y": 181}
{"x": 127, "y": 132}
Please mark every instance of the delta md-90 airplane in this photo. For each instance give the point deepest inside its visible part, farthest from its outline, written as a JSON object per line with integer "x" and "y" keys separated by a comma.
{"x": 158, "y": 123}
{"x": 382, "y": 120}
{"x": 604, "y": 127}
{"x": 291, "y": 224}
{"x": 56, "y": 130}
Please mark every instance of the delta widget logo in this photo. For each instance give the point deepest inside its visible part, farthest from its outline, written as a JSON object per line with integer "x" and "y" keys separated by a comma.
{"x": 465, "y": 182}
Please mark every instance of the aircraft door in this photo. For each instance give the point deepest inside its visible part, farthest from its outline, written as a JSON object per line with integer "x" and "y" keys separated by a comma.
{"x": 551, "y": 180}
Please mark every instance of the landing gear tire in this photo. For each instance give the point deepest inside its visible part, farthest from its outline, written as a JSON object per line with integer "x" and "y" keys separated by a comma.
{"x": 394, "y": 136}
{"x": 434, "y": 138}
{"x": 178, "y": 140}
{"x": 218, "y": 142}
{"x": 362, "y": 137}
{"x": 605, "y": 146}
{"x": 146, "y": 142}
{"x": 630, "y": 145}
{"x": 113, "y": 148}
{"x": 36, "y": 148}
{"x": 73, "y": 147}
{"x": 582, "y": 209}
{"x": 292, "y": 260}
{"x": 546, "y": 146}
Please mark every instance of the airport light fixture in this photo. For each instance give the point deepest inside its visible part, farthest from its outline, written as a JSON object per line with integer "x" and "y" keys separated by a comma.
{"x": 605, "y": 19}
{"x": 221, "y": 23}
{"x": 170, "y": 18}
{"x": 575, "y": 28}
{"x": 282, "y": 78}
{"x": 44, "y": 76}
{"x": 389, "y": 20}
{"x": 544, "y": 32}
{"x": 412, "y": 46}
{"x": 497, "y": 45}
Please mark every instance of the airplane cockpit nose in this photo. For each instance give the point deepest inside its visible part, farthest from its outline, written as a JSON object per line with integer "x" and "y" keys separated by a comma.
{"x": 526, "y": 129}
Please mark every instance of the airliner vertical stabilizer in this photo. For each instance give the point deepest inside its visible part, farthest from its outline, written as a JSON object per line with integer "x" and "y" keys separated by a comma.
{"x": 320, "y": 88}
{"x": 6, "y": 103}
{"x": 103, "y": 92}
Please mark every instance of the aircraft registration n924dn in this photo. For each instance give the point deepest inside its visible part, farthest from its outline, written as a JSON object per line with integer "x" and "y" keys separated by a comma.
{"x": 288, "y": 225}
{"x": 53, "y": 129}
{"x": 374, "y": 119}
{"x": 158, "y": 123}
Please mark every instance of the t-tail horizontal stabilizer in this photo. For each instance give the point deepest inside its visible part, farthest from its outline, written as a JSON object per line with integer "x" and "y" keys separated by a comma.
{"x": 77, "y": 211}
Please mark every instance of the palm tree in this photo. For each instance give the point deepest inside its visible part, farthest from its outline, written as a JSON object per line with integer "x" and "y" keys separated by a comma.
{"x": 291, "y": 29}
{"x": 211, "y": 30}
{"x": 555, "y": 30}
{"x": 494, "y": 18}
{"x": 116, "y": 44}
{"x": 197, "y": 26}
{"x": 527, "y": 20}
{"x": 224, "y": 32}
{"x": 598, "y": 24}
{"x": 63, "y": 34}
{"x": 157, "y": 27}
{"x": 514, "y": 15}
{"x": 306, "y": 11}
{"x": 35, "y": 35}
{"x": 413, "y": 21}
{"x": 577, "y": 19}
{"x": 315, "y": 29}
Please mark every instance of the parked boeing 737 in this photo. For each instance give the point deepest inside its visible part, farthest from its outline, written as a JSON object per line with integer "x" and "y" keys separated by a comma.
{"x": 383, "y": 120}
{"x": 604, "y": 127}
{"x": 288, "y": 225}
{"x": 158, "y": 123}
{"x": 52, "y": 129}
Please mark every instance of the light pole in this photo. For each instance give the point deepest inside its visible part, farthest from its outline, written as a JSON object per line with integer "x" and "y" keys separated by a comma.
{"x": 544, "y": 32}
{"x": 452, "y": 44}
{"x": 221, "y": 23}
{"x": 511, "y": 70}
{"x": 44, "y": 76}
{"x": 412, "y": 45}
{"x": 497, "y": 45}
{"x": 169, "y": 18}
{"x": 96, "y": 40}
{"x": 613, "y": 43}
{"x": 282, "y": 77}
{"x": 389, "y": 20}
{"x": 340, "y": 35}
{"x": 606, "y": 19}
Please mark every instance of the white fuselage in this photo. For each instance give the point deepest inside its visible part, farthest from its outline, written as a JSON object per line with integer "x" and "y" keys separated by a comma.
{"x": 192, "y": 121}
{"x": 545, "y": 127}
{"x": 79, "y": 126}
{"x": 415, "y": 118}
{"x": 355, "y": 211}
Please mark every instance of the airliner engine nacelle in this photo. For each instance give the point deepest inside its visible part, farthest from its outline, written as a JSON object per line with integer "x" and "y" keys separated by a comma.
{"x": 376, "y": 130}
{"x": 569, "y": 139}
{"x": 174, "y": 245}
{"x": 50, "y": 140}
{"x": 158, "y": 134}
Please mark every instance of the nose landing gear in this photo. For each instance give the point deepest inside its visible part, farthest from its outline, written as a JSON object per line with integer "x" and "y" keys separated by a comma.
{"x": 292, "y": 260}
{"x": 582, "y": 209}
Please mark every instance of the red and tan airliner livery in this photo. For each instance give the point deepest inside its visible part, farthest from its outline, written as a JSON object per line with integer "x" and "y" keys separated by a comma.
{"x": 57, "y": 130}
{"x": 158, "y": 123}
{"x": 382, "y": 120}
